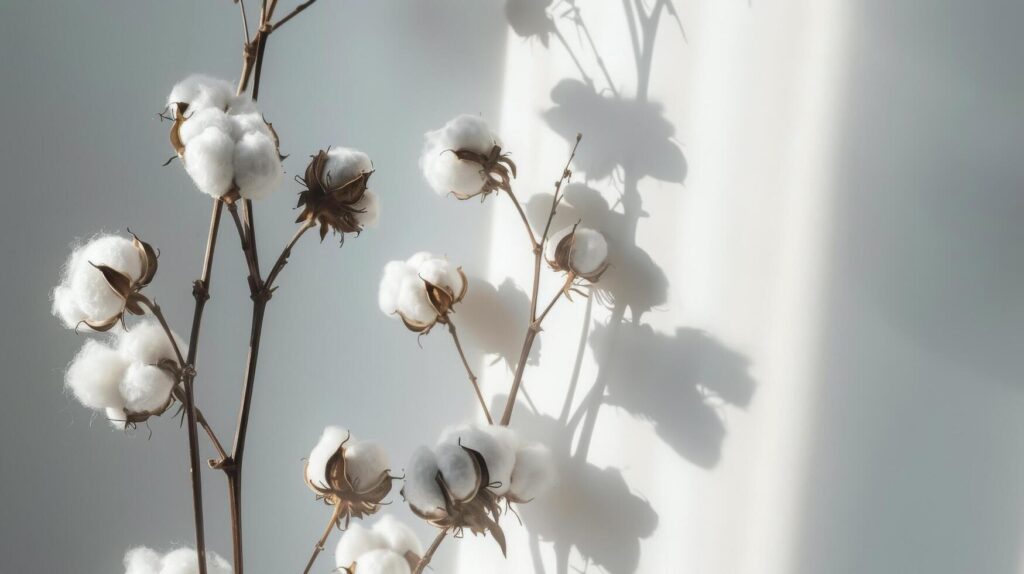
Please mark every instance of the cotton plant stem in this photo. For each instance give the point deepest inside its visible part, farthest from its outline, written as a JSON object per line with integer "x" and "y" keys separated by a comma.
{"x": 469, "y": 371}
{"x": 430, "y": 552}
{"x": 179, "y": 394}
{"x": 282, "y": 260}
{"x": 338, "y": 509}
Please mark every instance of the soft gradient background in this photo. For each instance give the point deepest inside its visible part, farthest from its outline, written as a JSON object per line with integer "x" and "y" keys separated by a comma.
{"x": 806, "y": 358}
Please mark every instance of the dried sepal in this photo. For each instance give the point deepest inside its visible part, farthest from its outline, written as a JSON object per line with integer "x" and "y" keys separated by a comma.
{"x": 496, "y": 170}
{"x": 331, "y": 205}
{"x": 356, "y": 501}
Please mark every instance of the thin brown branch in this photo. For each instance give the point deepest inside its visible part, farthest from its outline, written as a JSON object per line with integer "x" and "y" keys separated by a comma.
{"x": 469, "y": 371}
{"x": 298, "y": 9}
{"x": 248, "y": 243}
{"x": 430, "y": 552}
{"x": 522, "y": 215}
{"x": 338, "y": 509}
{"x": 179, "y": 394}
{"x": 282, "y": 259}
{"x": 155, "y": 310}
{"x": 245, "y": 20}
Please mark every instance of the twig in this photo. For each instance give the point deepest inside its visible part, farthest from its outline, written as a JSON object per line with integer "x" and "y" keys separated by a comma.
{"x": 338, "y": 509}
{"x": 291, "y": 14}
{"x": 469, "y": 371}
{"x": 282, "y": 259}
{"x": 245, "y": 20}
{"x": 179, "y": 393}
{"x": 430, "y": 552}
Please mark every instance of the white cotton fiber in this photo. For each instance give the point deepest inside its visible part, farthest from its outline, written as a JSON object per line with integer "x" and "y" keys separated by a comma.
{"x": 209, "y": 161}
{"x": 493, "y": 446}
{"x": 83, "y": 293}
{"x": 534, "y": 472}
{"x": 94, "y": 375}
{"x": 356, "y": 541}
{"x": 457, "y": 468}
{"x": 382, "y": 562}
{"x": 257, "y": 165}
{"x": 402, "y": 288}
{"x": 365, "y": 463}
{"x": 443, "y": 170}
{"x": 330, "y": 441}
{"x": 421, "y": 488}
{"x": 390, "y": 286}
{"x": 65, "y": 306}
{"x": 142, "y": 560}
{"x": 369, "y": 205}
{"x": 145, "y": 388}
{"x": 398, "y": 537}
{"x": 199, "y": 121}
{"x": 344, "y": 165}
{"x": 244, "y": 123}
{"x": 590, "y": 250}
{"x": 200, "y": 91}
{"x": 186, "y": 561}
{"x": 146, "y": 342}
{"x": 117, "y": 418}
{"x": 413, "y": 301}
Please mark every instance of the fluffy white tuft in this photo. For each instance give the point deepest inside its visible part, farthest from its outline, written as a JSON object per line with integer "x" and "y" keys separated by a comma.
{"x": 94, "y": 375}
{"x": 147, "y": 343}
{"x": 330, "y": 441}
{"x": 200, "y": 92}
{"x": 382, "y": 561}
{"x": 209, "y": 161}
{"x": 83, "y": 293}
{"x": 257, "y": 165}
{"x": 369, "y": 206}
{"x": 495, "y": 444}
{"x": 144, "y": 560}
{"x": 421, "y": 489}
{"x": 399, "y": 537}
{"x": 356, "y": 541}
{"x": 589, "y": 252}
{"x": 444, "y": 171}
{"x": 245, "y": 123}
{"x": 457, "y": 468}
{"x": 145, "y": 388}
{"x": 365, "y": 463}
{"x": 402, "y": 288}
{"x": 199, "y": 121}
{"x": 344, "y": 165}
{"x": 534, "y": 473}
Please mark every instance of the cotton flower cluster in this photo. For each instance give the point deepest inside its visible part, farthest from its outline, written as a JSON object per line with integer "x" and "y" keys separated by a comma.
{"x": 99, "y": 279}
{"x": 223, "y": 140}
{"x": 144, "y": 560}
{"x": 131, "y": 380}
{"x": 421, "y": 290}
{"x": 578, "y": 250}
{"x": 464, "y": 158}
{"x": 390, "y": 547}
{"x": 336, "y": 196}
{"x": 349, "y": 473}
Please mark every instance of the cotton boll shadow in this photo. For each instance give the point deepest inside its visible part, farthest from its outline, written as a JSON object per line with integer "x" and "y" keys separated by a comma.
{"x": 590, "y": 509}
{"x": 633, "y": 278}
{"x": 529, "y": 19}
{"x": 494, "y": 322}
{"x": 617, "y": 132}
{"x": 675, "y": 382}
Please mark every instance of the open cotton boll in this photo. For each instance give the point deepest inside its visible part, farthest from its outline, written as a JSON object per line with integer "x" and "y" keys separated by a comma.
{"x": 145, "y": 388}
{"x": 413, "y": 301}
{"x": 382, "y": 561}
{"x": 330, "y": 441}
{"x": 365, "y": 462}
{"x": 199, "y": 121}
{"x": 200, "y": 91}
{"x": 356, "y": 541}
{"x": 421, "y": 488}
{"x": 391, "y": 285}
{"x": 84, "y": 292}
{"x": 147, "y": 343}
{"x": 186, "y": 561}
{"x": 534, "y": 473}
{"x": 457, "y": 468}
{"x": 344, "y": 165}
{"x": 443, "y": 170}
{"x": 209, "y": 161}
{"x": 441, "y": 272}
{"x": 495, "y": 448}
{"x": 94, "y": 376}
{"x": 590, "y": 250}
{"x": 369, "y": 207}
{"x": 257, "y": 165}
{"x": 142, "y": 560}
{"x": 399, "y": 537}
{"x": 248, "y": 122}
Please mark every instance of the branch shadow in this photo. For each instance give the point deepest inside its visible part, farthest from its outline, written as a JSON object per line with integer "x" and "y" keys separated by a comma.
{"x": 487, "y": 306}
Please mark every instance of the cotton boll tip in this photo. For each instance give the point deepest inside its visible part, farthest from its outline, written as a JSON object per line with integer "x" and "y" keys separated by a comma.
{"x": 199, "y": 91}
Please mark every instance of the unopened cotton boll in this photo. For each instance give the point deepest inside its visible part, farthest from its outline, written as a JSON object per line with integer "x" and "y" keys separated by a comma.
{"x": 365, "y": 463}
{"x": 421, "y": 488}
{"x": 356, "y": 541}
{"x": 329, "y": 443}
{"x": 369, "y": 210}
{"x": 257, "y": 165}
{"x": 534, "y": 472}
{"x": 200, "y": 91}
{"x": 443, "y": 170}
{"x": 147, "y": 343}
{"x": 83, "y": 293}
{"x": 382, "y": 561}
{"x": 186, "y": 561}
{"x": 344, "y": 165}
{"x": 209, "y": 160}
{"x": 94, "y": 376}
{"x": 398, "y": 537}
{"x": 495, "y": 448}
{"x": 458, "y": 469}
{"x": 145, "y": 388}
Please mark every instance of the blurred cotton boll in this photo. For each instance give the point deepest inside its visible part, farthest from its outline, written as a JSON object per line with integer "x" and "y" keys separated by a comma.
{"x": 382, "y": 561}
{"x": 534, "y": 473}
{"x": 382, "y": 549}
{"x": 444, "y": 170}
{"x": 144, "y": 560}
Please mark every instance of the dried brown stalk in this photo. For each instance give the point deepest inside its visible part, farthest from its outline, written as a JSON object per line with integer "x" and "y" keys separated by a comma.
{"x": 469, "y": 371}
{"x": 430, "y": 552}
{"x": 331, "y": 525}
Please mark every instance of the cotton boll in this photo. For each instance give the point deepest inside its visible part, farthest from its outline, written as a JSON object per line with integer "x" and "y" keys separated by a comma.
{"x": 442, "y": 273}
{"x": 413, "y": 302}
{"x": 553, "y": 240}
{"x": 467, "y": 132}
{"x": 147, "y": 343}
{"x": 356, "y": 541}
{"x": 145, "y": 388}
{"x": 457, "y": 468}
{"x": 200, "y": 91}
{"x": 330, "y": 441}
{"x": 94, "y": 374}
{"x": 344, "y": 165}
{"x": 88, "y": 287}
{"x": 495, "y": 449}
{"x": 534, "y": 472}
{"x": 199, "y": 121}
{"x": 142, "y": 560}
{"x": 399, "y": 537}
{"x": 65, "y": 307}
{"x": 382, "y": 562}
{"x": 369, "y": 206}
{"x": 365, "y": 463}
{"x": 248, "y": 122}
{"x": 186, "y": 561}
{"x": 257, "y": 165}
{"x": 446, "y": 173}
{"x": 590, "y": 250}
{"x": 242, "y": 104}
{"x": 209, "y": 161}
{"x": 391, "y": 285}
{"x": 421, "y": 488}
